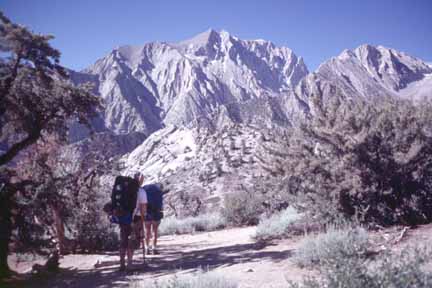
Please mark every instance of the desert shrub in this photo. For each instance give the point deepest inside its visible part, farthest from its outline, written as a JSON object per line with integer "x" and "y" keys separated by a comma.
{"x": 94, "y": 234}
{"x": 405, "y": 269}
{"x": 332, "y": 246}
{"x": 276, "y": 225}
{"x": 243, "y": 208}
{"x": 199, "y": 280}
{"x": 365, "y": 161}
{"x": 204, "y": 222}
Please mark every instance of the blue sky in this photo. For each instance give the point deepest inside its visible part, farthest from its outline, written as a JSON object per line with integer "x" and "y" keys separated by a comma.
{"x": 86, "y": 30}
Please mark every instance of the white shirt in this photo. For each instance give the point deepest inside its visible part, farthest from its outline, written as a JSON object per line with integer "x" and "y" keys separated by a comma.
{"x": 141, "y": 199}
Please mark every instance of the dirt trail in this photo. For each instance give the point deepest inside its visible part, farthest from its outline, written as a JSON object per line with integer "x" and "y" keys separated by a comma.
{"x": 231, "y": 252}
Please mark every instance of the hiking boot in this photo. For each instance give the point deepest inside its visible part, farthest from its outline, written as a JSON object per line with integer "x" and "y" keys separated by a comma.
{"x": 155, "y": 251}
{"x": 122, "y": 268}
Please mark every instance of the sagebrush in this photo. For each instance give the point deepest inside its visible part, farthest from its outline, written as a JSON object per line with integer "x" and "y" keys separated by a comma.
{"x": 404, "y": 269}
{"x": 277, "y": 225}
{"x": 332, "y": 246}
{"x": 199, "y": 280}
{"x": 203, "y": 222}
{"x": 243, "y": 208}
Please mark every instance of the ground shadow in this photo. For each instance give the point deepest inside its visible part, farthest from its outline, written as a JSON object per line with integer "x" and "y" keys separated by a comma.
{"x": 170, "y": 259}
{"x": 175, "y": 259}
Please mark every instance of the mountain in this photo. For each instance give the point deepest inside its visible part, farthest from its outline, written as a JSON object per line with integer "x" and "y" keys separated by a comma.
{"x": 210, "y": 163}
{"x": 215, "y": 111}
{"x": 211, "y": 79}
{"x": 206, "y": 164}
{"x": 216, "y": 79}
{"x": 368, "y": 72}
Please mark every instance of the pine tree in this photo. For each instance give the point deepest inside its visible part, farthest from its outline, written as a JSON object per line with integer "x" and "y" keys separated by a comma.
{"x": 37, "y": 101}
{"x": 370, "y": 161}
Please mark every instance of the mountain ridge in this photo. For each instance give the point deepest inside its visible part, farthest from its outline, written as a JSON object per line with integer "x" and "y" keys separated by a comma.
{"x": 215, "y": 109}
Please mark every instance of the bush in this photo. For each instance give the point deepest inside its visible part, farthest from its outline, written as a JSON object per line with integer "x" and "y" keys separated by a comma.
{"x": 276, "y": 225}
{"x": 243, "y": 208}
{"x": 365, "y": 161}
{"x": 332, "y": 246}
{"x": 204, "y": 222}
{"x": 93, "y": 232}
{"x": 405, "y": 269}
{"x": 199, "y": 280}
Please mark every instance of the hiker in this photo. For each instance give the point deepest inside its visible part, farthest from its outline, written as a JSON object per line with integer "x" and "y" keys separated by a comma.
{"x": 125, "y": 198}
{"x": 140, "y": 212}
{"x": 153, "y": 216}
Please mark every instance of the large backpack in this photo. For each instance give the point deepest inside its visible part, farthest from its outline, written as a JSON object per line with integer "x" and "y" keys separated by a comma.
{"x": 154, "y": 198}
{"x": 123, "y": 199}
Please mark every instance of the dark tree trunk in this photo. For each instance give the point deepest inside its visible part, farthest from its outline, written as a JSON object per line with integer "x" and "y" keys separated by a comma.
{"x": 59, "y": 227}
{"x": 5, "y": 229}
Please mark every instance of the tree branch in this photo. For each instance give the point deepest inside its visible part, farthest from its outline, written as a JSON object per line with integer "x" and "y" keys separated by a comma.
{"x": 17, "y": 147}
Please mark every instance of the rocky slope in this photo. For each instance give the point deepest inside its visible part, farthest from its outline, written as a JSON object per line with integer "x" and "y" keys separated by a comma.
{"x": 218, "y": 108}
{"x": 205, "y": 164}
{"x": 368, "y": 72}
{"x": 212, "y": 78}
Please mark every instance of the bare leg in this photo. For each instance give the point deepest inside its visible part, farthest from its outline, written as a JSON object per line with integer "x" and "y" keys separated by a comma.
{"x": 148, "y": 233}
{"x": 124, "y": 234}
{"x": 122, "y": 258}
{"x": 155, "y": 233}
{"x": 130, "y": 252}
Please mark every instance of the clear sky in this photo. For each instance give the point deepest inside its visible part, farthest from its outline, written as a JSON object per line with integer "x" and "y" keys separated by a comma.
{"x": 86, "y": 30}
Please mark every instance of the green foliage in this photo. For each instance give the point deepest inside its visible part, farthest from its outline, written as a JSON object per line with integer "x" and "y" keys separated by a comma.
{"x": 365, "y": 161}
{"x": 199, "y": 280}
{"x": 277, "y": 225}
{"x": 91, "y": 230}
{"x": 243, "y": 208}
{"x": 404, "y": 269}
{"x": 37, "y": 101}
{"x": 35, "y": 89}
{"x": 333, "y": 246}
{"x": 203, "y": 222}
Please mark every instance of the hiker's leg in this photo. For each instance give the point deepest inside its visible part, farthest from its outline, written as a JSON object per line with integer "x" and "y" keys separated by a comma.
{"x": 130, "y": 252}
{"x": 130, "y": 256}
{"x": 147, "y": 233}
{"x": 122, "y": 257}
{"x": 124, "y": 235}
{"x": 155, "y": 225}
{"x": 134, "y": 239}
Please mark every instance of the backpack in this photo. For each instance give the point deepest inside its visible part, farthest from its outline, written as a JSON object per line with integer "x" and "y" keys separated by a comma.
{"x": 154, "y": 198}
{"x": 123, "y": 199}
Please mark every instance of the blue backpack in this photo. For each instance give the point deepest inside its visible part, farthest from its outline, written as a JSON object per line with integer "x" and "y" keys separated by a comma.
{"x": 154, "y": 198}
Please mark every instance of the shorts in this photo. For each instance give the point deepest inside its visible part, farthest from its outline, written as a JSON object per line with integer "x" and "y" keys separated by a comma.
{"x": 125, "y": 232}
{"x": 155, "y": 216}
{"x": 131, "y": 235}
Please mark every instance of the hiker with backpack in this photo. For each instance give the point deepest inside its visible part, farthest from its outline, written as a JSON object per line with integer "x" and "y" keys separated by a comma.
{"x": 154, "y": 215}
{"x": 128, "y": 209}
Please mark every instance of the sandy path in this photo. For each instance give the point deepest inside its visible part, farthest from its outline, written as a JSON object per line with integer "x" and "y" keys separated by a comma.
{"x": 230, "y": 252}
